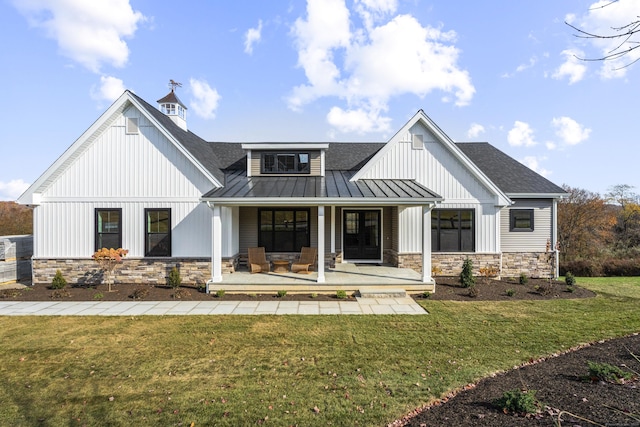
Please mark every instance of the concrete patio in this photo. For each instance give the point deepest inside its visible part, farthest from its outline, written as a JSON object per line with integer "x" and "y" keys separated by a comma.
{"x": 349, "y": 277}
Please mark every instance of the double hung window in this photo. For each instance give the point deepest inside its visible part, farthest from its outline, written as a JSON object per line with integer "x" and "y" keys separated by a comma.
{"x": 157, "y": 240}
{"x": 108, "y": 231}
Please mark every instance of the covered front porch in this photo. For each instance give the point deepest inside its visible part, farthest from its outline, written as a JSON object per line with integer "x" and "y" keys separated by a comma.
{"x": 354, "y": 227}
{"x": 349, "y": 277}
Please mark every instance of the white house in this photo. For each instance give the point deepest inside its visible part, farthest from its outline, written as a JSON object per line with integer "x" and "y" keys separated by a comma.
{"x": 140, "y": 180}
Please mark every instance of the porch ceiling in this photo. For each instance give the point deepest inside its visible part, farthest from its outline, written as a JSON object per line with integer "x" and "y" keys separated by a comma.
{"x": 334, "y": 187}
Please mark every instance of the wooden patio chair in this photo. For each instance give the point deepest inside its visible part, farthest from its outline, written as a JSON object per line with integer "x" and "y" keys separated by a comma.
{"x": 306, "y": 261}
{"x": 258, "y": 260}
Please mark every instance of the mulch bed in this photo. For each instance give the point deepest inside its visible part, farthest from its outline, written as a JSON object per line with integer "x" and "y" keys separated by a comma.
{"x": 559, "y": 380}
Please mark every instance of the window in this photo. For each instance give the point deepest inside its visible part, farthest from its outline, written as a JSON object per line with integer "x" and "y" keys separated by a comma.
{"x": 452, "y": 230}
{"x": 132, "y": 125}
{"x": 168, "y": 108}
{"x": 284, "y": 230}
{"x": 285, "y": 163}
{"x": 108, "y": 229}
{"x": 157, "y": 240}
{"x": 521, "y": 220}
{"x": 417, "y": 142}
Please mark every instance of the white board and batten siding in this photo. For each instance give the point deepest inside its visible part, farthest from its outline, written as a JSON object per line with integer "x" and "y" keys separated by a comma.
{"x": 528, "y": 241}
{"x": 434, "y": 166}
{"x": 131, "y": 172}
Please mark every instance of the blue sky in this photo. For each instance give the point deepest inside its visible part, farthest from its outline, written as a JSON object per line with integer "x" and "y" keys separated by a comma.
{"x": 327, "y": 70}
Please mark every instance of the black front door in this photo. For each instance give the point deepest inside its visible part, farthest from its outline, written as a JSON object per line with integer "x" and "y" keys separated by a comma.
{"x": 361, "y": 234}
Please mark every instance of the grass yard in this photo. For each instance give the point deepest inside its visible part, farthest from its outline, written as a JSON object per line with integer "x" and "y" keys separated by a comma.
{"x": 284, "y": 370}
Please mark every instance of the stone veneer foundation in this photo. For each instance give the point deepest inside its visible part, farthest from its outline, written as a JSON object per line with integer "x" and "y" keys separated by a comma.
{"x": 82, "y": 271}
{"x": 533, "y": 264}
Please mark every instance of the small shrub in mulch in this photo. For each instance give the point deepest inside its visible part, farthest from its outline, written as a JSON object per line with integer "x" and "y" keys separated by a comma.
{"x": 544, "y": 288}
{"x": 607, "y": 373}
{"x": 60, "y": 293}
{"x": 139, "y": 293}
{"x": 518, "y": 402}
{"x": 181, "y": 293}
{"x": 58, "y": 282}
{"x": 466, "y": 275}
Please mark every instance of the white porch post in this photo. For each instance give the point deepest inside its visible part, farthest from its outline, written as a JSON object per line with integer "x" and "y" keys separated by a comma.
{"x": 333, "y": 230}
{"x": 320, "y": 244}
{"x": 426, "y": 245}
{"x": 216, "y": 244}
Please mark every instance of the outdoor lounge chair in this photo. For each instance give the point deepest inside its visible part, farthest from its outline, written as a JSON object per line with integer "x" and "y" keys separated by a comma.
{"x": 258, "y": 260}
{"x": 306, "y": 261}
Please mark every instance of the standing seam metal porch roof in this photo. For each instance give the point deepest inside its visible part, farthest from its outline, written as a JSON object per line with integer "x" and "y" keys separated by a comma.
{"x": 335, "y": 185}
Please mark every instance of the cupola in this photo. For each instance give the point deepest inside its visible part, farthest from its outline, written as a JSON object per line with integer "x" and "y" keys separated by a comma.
{"x": 173, "y": 107}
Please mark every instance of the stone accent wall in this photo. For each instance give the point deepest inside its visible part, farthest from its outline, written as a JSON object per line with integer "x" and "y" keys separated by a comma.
{"x": 450, "y": 263}
{"x": 82, "y": 271}
{"x": 533, "y": 264}
{"x": 413, "y": 261}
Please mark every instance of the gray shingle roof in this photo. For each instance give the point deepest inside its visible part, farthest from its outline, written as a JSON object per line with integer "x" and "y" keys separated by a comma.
{"x": 511, "y": 176}
{"x": 198, "y": 147}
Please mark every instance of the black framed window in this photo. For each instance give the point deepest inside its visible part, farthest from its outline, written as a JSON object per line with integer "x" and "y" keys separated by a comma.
{"x": 284, "y": 230}
{"x": 108, "y": 229}
{"x": 157, "y": 241}
{"x": 286, "y": 163}
{"x": 521, "y": 220}
{"x": 452, "y": 230}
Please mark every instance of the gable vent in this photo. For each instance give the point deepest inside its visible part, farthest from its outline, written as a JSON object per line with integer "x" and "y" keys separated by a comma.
{"x": 132, "y": 125}
{"x": 418, "y": 142}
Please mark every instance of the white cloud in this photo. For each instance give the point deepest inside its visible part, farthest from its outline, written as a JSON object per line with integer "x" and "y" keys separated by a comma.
{"x": 88, "y": 32}
{"x": 251, "y": 37}
{"x": 475, "y": 130}
{"x": 521, "y": 135}
{"x": 205, "y": 100}
{"x": 358, "y": 120}
{"x": 13, "y": 189}
{"x": 572, "y": 67}
{"x": 570, "y": 131}
{"x": 365, "y": 67}
{"x": 551, "y": 145}
{"x": 109, "y": 90}
{"x": 533, "y": 163}
{"x": 372, "y": 11}
{"x": 601, "y": 17}
{"x": 532, "y": 61}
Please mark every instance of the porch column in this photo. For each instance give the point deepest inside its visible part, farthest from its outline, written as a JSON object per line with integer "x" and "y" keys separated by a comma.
{"x": 216, "y": 244}
{"x": 320, "y": 244}
{"x": 333, "y": 229}
{"x": 426, "y": 245}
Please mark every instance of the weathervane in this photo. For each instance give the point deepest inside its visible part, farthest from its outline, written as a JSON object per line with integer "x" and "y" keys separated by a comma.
{"x": 174, "y": 84}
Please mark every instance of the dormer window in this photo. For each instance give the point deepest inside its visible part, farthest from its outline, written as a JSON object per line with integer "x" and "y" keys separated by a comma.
{"x": 288, "y": 163}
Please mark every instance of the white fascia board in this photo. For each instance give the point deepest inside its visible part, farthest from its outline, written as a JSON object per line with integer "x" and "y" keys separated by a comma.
{"x": 420, "y": 116}
{"x": 57, "y": 167}
{"x": 285, "y": 146}
{"x": 301, "y": 201}
{"x": 537, "y": 195}
{"x": 176, "y": 143}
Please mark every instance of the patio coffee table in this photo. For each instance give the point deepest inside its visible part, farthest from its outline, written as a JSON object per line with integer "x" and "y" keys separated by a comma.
{"x": 280, "y": 266}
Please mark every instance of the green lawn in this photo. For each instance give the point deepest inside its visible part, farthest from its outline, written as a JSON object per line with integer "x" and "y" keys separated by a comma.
{"x": 283, "y": 370}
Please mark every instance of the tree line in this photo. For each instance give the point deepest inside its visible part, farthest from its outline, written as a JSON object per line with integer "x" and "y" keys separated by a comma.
{"x": 599, "y": 235}
{"x": 15, "y": 219}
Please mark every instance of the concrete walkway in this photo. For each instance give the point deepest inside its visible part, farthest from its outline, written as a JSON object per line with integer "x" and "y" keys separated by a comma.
{"x": 172, "y": 308}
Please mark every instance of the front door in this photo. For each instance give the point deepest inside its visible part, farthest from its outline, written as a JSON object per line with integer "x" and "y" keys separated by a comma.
{"x": 362, "y": 235}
